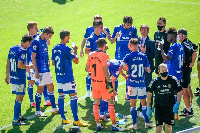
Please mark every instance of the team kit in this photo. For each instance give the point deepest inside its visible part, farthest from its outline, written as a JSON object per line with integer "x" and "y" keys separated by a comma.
{"x": 136, "y": 58}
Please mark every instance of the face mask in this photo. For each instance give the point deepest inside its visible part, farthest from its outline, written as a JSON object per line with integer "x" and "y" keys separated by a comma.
{"x": 160, "y": 27}
{"x": 164, "y": 74}
{"x": 178, "y": 38}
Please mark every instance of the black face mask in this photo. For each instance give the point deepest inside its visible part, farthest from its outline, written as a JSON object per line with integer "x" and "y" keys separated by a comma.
{"x": 160, "y": 27}
{"x": 164, "y": 74}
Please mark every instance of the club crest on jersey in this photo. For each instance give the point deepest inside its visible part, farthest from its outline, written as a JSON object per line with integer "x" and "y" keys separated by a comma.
{"x": 34, "y": 47}
{"x": 169, "y": 85}
{"x": 23, "y": 56}
{"x": 130, "y": 33}
{"x": 108, "y": 61}
{"x": 88, "y": 43}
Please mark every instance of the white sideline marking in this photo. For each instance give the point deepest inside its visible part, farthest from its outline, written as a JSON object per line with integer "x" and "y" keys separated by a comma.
{"x": 190, "y": 130}
{"x": 81, "y": 98}
{"x": 176, "y": 2}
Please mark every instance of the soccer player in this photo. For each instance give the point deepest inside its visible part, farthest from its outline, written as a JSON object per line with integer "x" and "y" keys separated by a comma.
{"x": 190, "y": 57}
{"x": 33, "y": 29}
{"x": 146, "y": 46}
{"x": 164, "y": 87}
{"x": 137, "y": 63}
{"x": 160, "y": 36}
{"x": 97, "y": 64}
{"x": 174, "y": 57}
{"x": 91, "y": 32}
{"x": 62, "y": 57}
{"x": 121, "y": 35}
{"x": 16, "y": 75}
{"x": 198, "y": 69}
{"x": 41, "y": 64}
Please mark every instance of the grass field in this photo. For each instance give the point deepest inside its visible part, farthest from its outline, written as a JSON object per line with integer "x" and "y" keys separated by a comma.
{"x": 76, "y": 16}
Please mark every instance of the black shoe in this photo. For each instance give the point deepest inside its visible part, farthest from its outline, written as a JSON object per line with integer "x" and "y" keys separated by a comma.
{"x": 183, "y": 110}
{"x": 187, "y": 113}
{"x": 18, "y": 123}
{"x": 22, "y": 118}
{"x": 197, "y": 93}
{"x": 139, "y": 108}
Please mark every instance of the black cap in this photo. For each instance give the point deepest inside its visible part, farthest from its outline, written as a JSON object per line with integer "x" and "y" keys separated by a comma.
{"x": 74, "y": 129}
{"x": 183, "y": 31}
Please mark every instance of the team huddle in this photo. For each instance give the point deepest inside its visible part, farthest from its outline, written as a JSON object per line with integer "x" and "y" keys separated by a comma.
{"x": 134, "y": 60}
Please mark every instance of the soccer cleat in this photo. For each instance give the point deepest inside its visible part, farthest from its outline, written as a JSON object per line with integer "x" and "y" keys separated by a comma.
{"x": 183, "y": 110}
{"x": 87, "y": 94}
{"x": 140, "y": 115}
{"x": 134, "y": 127}
{"x": 40, "y": 114}
{"x": 18, "y": 123}
{"x": 99, "y": 128}
{"x": 118, "y": 128}
{"x": 55, "y": 111}
{"x": 186, "y": 113}
{"x": 147, "y": 125}
{"x": 48, "y": 103}
{"x": 22, "y": 118}
{"x": 66, "y": 121}
{"x": 104, "y": 118}
{"x": 197, "y": 93}
{"x": 176, "y": 116}
{"x": 80, "y": 123}
{"x": 33, "y": 105}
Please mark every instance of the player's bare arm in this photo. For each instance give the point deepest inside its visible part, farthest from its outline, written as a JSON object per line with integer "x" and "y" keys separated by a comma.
{"x": 35, "y": 65}
{"x": 7, "y": 79}
{"x": 122, "y": 73}
{"x": 149, "y": 95}
{"x": 21, "y": 65}
{"x": 194, "y": 56}
{"x": 82, "y": 46}
{"x": 87, "y": 50}
{"x": 87, "y": 69}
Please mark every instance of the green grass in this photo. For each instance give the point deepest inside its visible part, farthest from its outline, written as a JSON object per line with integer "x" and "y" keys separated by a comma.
{"x": 75, "y": 16}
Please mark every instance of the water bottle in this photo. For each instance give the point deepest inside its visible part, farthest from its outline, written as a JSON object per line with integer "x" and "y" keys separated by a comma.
{"x": 73, "y": 44}
{"x": 41, "y": 30}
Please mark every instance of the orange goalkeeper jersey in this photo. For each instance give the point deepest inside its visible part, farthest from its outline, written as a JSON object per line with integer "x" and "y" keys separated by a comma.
{"x": 96, "y": 61}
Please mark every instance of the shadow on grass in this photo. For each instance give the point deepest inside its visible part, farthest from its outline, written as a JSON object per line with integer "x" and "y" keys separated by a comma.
{"x": 16, "y": 129}
{"x": 62, "y": 1}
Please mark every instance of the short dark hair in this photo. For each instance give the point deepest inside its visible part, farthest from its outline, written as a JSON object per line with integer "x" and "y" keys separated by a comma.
{"x": 31, "y": 24}
{"x": 172, "y": 31}
{"x": 134, "y": 41}
{"x": 64, "y": 33}
{"x": 97, "y": 23}
{"x": 128, "y": 19}
{"x": 48, "y": 30}
{"x": 144, "y": 26}
{"x": 101, "y": 42}
{"x": 97, "y": 17}
{"x": 163, "y": 19}
{"x": 26, "y": 38}
{"x": 183, "y": 31}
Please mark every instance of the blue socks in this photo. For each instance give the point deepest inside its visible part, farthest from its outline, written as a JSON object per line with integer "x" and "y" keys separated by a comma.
{"x": 134, "y": 114}
{"x": 144, "y": 110}
{"x": 103, "y": 107}
{"x": 88, "y": 82}
{"x": 30, "y": 92}
{"x": 52, "y": 99}
{"x": 38, "y": 101}
{"x": 61, "y": 106}
{"x": 46, "y": 98}
{"x": 74, "y": 107}
{"x": 17, "y": 108}
{"x": 116, "y": 85}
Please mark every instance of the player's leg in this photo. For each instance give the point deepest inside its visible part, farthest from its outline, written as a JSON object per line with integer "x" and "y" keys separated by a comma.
{"x": 198, "y": 69}
{"x": 159, "y": 129}
{"x": 30, "y": 92}
{"x": 46, "y": 98}
{"x": 38, "y": 96}
{"x": 158, "y": 119}
{"x": 168, "y": 119}
{"x": 103, "y": 110}
{"x": 168, "y": 128}
{"x": 88, "y": 84}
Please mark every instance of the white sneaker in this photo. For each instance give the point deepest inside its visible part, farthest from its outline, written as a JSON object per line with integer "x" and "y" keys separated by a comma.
{"x": 116, "y": 98}
{"x": 141, "y": 115}
{"x": 147, "y": 125}
{"x": 118, "y": 128}
{"x": 134, "y": 127}
{"x": 55, "y": 111}
{"x": 40, "y": 114}
{"x": 87, "y": 94}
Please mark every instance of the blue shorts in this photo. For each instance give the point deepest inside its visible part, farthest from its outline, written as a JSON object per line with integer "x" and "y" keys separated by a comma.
{"x": 67, "y": 88}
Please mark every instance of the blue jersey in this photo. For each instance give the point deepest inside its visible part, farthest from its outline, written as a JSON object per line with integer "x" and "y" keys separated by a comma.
{"x": 62, "y": 56}
{"x": 122, "y": 42}
{"x": 92, "y": 41}
{"x": 29, "y": 51}
{"x": 90, "y": 30}
{"x": 137, "y": 63}
{"x": 114, "y": 68}
{"x": 39, "y": 47}
{"x": 175, "y": 64}
{"x": 17, "y": 75}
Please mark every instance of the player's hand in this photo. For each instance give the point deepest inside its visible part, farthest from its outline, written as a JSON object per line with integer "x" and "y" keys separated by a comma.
{"x": 37, "y": 75}
{"x": 118, "y": 34}
{"x": 176, "y": 107}
{"x": 28, "y": 70}
{"x": 160, "y": 45}
{"x": 110, "y": 84}
{"x": 30, "y": 67}
{"x": 149, "y": 112}
{"x": 104, "y": 30}
{"x": 75, "y": 48}
{"x": 7, "y": 79}
{"x": 82, "y": 54}
{"x": 191, "y": 64}
{"x": 143, "y": 49}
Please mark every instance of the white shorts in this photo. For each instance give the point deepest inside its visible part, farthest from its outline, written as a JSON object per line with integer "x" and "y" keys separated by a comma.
{"x": 18, "y": 89}
{"x": 67, "y": 88}
{"x": 137, "y": 92}
{"x": 45, "y": 79}
{"x": 31, "y": 75}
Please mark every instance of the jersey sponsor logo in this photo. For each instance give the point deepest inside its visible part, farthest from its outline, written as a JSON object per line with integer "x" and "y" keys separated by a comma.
{"x": 137, "y": 58}
{"x": 169, "y": 85}
{"x": 94, "y": 80}
{"x": 164, "y": 86}
{"x": 12, "y": 52}
{"x": 125, "y": 38}
{"x": 23, "y": 56}
{"x": 88, "y": 43}
{"x": 34, "y": 47}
